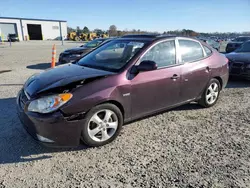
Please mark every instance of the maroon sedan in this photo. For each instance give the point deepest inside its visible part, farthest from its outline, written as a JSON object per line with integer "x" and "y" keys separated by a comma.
{"x": 120, "y": 81}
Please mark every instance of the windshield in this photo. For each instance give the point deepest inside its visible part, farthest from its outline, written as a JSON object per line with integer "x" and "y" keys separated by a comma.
{"x": 241, "y": 39}
{"x": 93, "y": 43}
{"x": 111, "y": 56}
{"x": 245, "y": 47}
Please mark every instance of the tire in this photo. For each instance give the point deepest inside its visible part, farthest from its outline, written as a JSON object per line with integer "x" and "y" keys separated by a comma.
{"x": 101, "y": 130}
{"x": 210, "y": 100}
{"x": 77, "y": 38}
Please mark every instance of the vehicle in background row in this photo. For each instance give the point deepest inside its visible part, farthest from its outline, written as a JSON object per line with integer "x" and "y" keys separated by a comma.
{"x": 74, "y": 54}
{"x": 236, "y": 43}
{"x": 13, "y": 38}
{"x": 212, "y": 43}
{"x": 118, "y": 82}
{"x": 239, "y": 61}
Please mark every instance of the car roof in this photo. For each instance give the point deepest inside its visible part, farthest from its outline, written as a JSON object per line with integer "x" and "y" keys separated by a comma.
{"x": 152, "y": 37}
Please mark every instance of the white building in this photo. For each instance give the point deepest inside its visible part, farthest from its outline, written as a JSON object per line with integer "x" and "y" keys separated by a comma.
{"x": 32, "y": 29}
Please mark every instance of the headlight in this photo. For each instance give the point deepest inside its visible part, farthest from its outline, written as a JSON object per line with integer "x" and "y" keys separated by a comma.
{"x": 49, "y": 103}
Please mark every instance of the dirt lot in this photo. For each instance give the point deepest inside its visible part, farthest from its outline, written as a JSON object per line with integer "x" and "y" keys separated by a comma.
{"x": 186, "y": 147}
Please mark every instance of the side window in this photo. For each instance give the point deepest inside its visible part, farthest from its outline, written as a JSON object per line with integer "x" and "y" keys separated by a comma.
{"x": 190, "y": 50}
{"x": 163, "y": 54}
{"x": 207, "y": 50}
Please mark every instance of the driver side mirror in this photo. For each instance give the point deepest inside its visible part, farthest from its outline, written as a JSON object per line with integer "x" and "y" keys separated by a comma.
{"x": 146, "y": 65}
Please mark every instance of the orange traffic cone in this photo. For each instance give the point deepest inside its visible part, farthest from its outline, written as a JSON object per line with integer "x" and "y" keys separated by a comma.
{"x": 53, "y": 62}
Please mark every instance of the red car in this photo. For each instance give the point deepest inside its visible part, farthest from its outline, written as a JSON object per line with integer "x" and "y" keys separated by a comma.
{"x": 120, "y": 81}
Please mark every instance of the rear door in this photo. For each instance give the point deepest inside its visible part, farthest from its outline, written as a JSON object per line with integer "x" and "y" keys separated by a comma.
{"x": 195, "y": 70}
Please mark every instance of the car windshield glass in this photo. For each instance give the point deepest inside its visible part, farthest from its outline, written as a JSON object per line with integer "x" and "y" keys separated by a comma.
{"x": 93, "y": 43}
{"x": 112, "y": 56}
{"x": 244, "y": 47}
{"x": 241, "y": 39}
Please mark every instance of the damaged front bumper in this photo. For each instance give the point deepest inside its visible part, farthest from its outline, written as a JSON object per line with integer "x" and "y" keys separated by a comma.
{"x": 53, "y": 130}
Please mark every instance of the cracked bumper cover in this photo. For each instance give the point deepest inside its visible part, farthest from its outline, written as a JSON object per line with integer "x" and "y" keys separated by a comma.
{"x": 52, "y": 130}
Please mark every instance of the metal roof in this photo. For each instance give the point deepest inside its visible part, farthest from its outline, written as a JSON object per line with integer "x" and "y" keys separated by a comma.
{"x": 32, "y": 19}
{"x": 147, "y": 36}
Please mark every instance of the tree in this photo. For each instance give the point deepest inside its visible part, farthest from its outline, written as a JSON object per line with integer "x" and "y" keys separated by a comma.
{"x": 70, "y": 29}
{"x": 112, "y": 30}
{"x": 99, "y": 32}
{"x": 119, "y": 33}
{"x": 85, "y": 29}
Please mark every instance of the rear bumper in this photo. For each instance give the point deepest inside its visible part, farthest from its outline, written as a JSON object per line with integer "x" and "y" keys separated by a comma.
{"x": 54, "y": 127}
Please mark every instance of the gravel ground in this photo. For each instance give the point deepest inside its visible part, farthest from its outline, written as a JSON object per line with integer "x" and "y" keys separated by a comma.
{"x": 186, "y": 147}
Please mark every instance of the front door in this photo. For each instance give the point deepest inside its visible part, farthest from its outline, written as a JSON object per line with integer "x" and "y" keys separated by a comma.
{"x": 157, "y": 89}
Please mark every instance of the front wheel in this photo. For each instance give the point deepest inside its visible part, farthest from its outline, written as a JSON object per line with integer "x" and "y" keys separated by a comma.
{"x": 103, "y": 124}
{"x": 211, "y": 93}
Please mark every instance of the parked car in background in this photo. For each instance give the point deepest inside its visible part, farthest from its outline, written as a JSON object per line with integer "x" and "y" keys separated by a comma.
{"x": 74, "y": 54}
{"x": 13, "y": 38}
{"x": 239, "y": 61}
{"x": 211, "y": 42}
{"x": 236, "y": 43}
{"x": 118, "y": 82}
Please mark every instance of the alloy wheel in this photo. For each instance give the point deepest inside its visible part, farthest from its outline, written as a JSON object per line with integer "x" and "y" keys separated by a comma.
{"x": 102, "y": 125}
{"x": 212, "y": 93}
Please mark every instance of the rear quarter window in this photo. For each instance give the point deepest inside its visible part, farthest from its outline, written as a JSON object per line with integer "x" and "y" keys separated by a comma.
{"x": 207, "y": 50}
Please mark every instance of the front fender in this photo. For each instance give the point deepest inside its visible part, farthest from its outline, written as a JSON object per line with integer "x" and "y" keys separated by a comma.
{"x": 119, "y": 94}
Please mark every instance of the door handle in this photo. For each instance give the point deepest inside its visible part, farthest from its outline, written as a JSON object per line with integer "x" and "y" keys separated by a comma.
{"x": 208, "y": 69}
{"x": 174, "y": 77}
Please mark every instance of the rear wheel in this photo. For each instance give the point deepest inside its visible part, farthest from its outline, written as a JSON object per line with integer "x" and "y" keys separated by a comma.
{"x": 211, "y": 93}
{"x": 103, "y": 124}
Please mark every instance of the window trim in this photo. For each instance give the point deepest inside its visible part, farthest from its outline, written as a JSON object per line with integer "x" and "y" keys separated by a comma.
{"x": 179, "y": 53}
{"x": 156, "y": 43}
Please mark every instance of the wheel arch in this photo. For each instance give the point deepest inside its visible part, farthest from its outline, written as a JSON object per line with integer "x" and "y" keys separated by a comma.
{"x": 220, "y": 80}
{"x": 116, "y": 103}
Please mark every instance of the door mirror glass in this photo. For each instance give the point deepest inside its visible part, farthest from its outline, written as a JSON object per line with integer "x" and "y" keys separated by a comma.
{"x": 147, "y": 65}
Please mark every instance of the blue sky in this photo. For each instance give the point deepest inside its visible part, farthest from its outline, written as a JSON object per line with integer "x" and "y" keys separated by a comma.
{"x": 150, "y": 15}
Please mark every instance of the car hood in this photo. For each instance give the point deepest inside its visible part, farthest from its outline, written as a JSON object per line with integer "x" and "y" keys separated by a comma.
{"x": 78, "y": 49}
{"x": 240, "y": 57}
{"x": 59, "y": 77}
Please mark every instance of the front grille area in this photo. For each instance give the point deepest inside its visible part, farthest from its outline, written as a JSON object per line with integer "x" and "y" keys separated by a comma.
{"x": 238, "y": 64}
{"x": 238, "y": 68}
